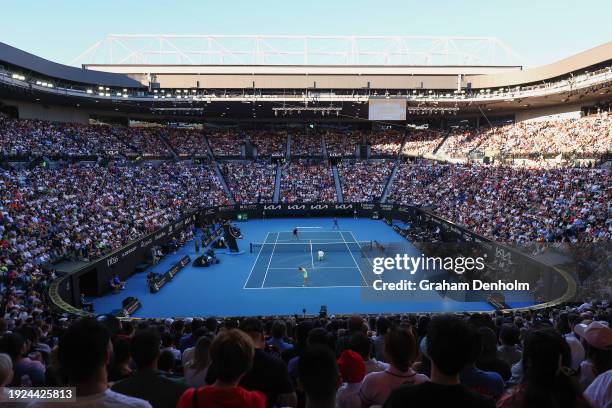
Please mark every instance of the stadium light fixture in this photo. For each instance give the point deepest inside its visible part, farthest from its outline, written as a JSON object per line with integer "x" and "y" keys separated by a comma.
{"x": 89, "y": 91}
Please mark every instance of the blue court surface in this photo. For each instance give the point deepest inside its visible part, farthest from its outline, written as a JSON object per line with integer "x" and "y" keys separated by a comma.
{"x": 265, "y": 280}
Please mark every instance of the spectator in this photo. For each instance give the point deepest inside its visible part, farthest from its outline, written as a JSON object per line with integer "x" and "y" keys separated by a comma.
{"x": 27, "y": 372}
{"x": 6, "y": 376}
{"x": 268, "y": 374}
{"x": 449, "y": 341}
{"x": 279, "y": 331}
{"x": 120, "y": 367}
{"x": 318, "y": 377}
{"x": 508, "y": 351}
{"x": 401, "y": 351}
{"x": 488, "y": 383}
{"x": 197, "y": 369}
{"x": 84, "y": 353}
{"x": 382, "y": 327}
{"x": 488, "y": 359}
{"x": 546, "y": 383}
{"x": 361, "y": 344}
{"x": 352, "y": 371}
{"x": 232, "y": 352}
{"x": 147, "y": 382}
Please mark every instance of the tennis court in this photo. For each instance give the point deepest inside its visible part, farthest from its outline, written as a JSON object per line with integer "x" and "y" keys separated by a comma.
{"x": 345, "y": 263}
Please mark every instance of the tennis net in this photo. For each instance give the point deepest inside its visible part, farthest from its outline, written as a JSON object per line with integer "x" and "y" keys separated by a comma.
{"x": 309, "y": 245}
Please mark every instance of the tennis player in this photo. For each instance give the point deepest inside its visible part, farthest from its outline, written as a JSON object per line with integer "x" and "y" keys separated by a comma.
{"x": 320, "y": 255}
{"x": 304, "y": 273}
{"x": 336, "y": 226}
{"x": 295, "y": 234}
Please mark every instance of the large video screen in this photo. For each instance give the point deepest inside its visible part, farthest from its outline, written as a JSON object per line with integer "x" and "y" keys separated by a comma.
{"x": 387, "y": 109}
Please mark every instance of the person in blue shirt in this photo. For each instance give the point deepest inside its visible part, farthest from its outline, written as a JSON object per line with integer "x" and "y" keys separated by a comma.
{"x": 279, "y": 331}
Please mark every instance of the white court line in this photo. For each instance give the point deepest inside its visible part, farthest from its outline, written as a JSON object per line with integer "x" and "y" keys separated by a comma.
{"x": 315, "y": 232}
{"x": 269, "y": 262}
{"x": 305, "y": 287}
{"x": 323, "y": 267}
{"x": 355, "y": 239}
{"x": 356, "y": 264}
{"x": 255, "y": 263}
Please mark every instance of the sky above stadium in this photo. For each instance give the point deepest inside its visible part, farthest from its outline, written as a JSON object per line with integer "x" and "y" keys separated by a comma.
{"x": 541, "y": 31}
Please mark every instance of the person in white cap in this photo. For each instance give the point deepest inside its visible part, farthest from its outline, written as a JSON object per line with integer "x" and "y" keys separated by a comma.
{"x": 597, "y": 369}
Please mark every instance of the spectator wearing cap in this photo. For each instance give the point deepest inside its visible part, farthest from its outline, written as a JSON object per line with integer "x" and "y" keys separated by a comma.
{"x": 597, "y": 339}
{"x": 449, "y": 339}
{"x": 268, "y": 374}
{"x": 401, "y": 351}
{"x": 352, "y": 370}
{"x": 6, "y": 375}
{"x": 318, "y": 376}
{"x": 148, "y": 382}
{"x": 84, "y": 353}
{"x": 232, "y": 353}
{"x": 599, "y": 393}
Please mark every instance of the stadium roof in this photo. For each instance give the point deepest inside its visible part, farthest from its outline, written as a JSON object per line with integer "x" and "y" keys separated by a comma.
{"x": 31, "y": 62}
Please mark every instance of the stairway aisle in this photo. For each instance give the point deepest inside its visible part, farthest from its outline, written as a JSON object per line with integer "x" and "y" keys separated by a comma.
{"x": 338, "y": 185}
{"x": 277, "y": 183}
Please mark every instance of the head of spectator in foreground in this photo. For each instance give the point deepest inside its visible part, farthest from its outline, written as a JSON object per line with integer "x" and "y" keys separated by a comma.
{"x": 232, "y": 353}
{"x": 14, "y": 345}
{"x": 400, "y": 348}
{"x": 318, "y": 376}
{"x": 166, "y": 361}
{"x": 449, "y": 344}
{"x": 597, "y": 339}
{"x": 201, "y": 358}
{"x": 279, "y": 329}
{"x": 355, "y": 324}
{"x": 362, "y": 345}
{"x": 546, "y": 381}
{"x": 382, "y": 325}
{"x": 84, "y": 352}
{"x": 254, "y": 328}
{"x": 145, "y": 348}
{"x": 6, "y": 370}
{"x": 509, "y": 335}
